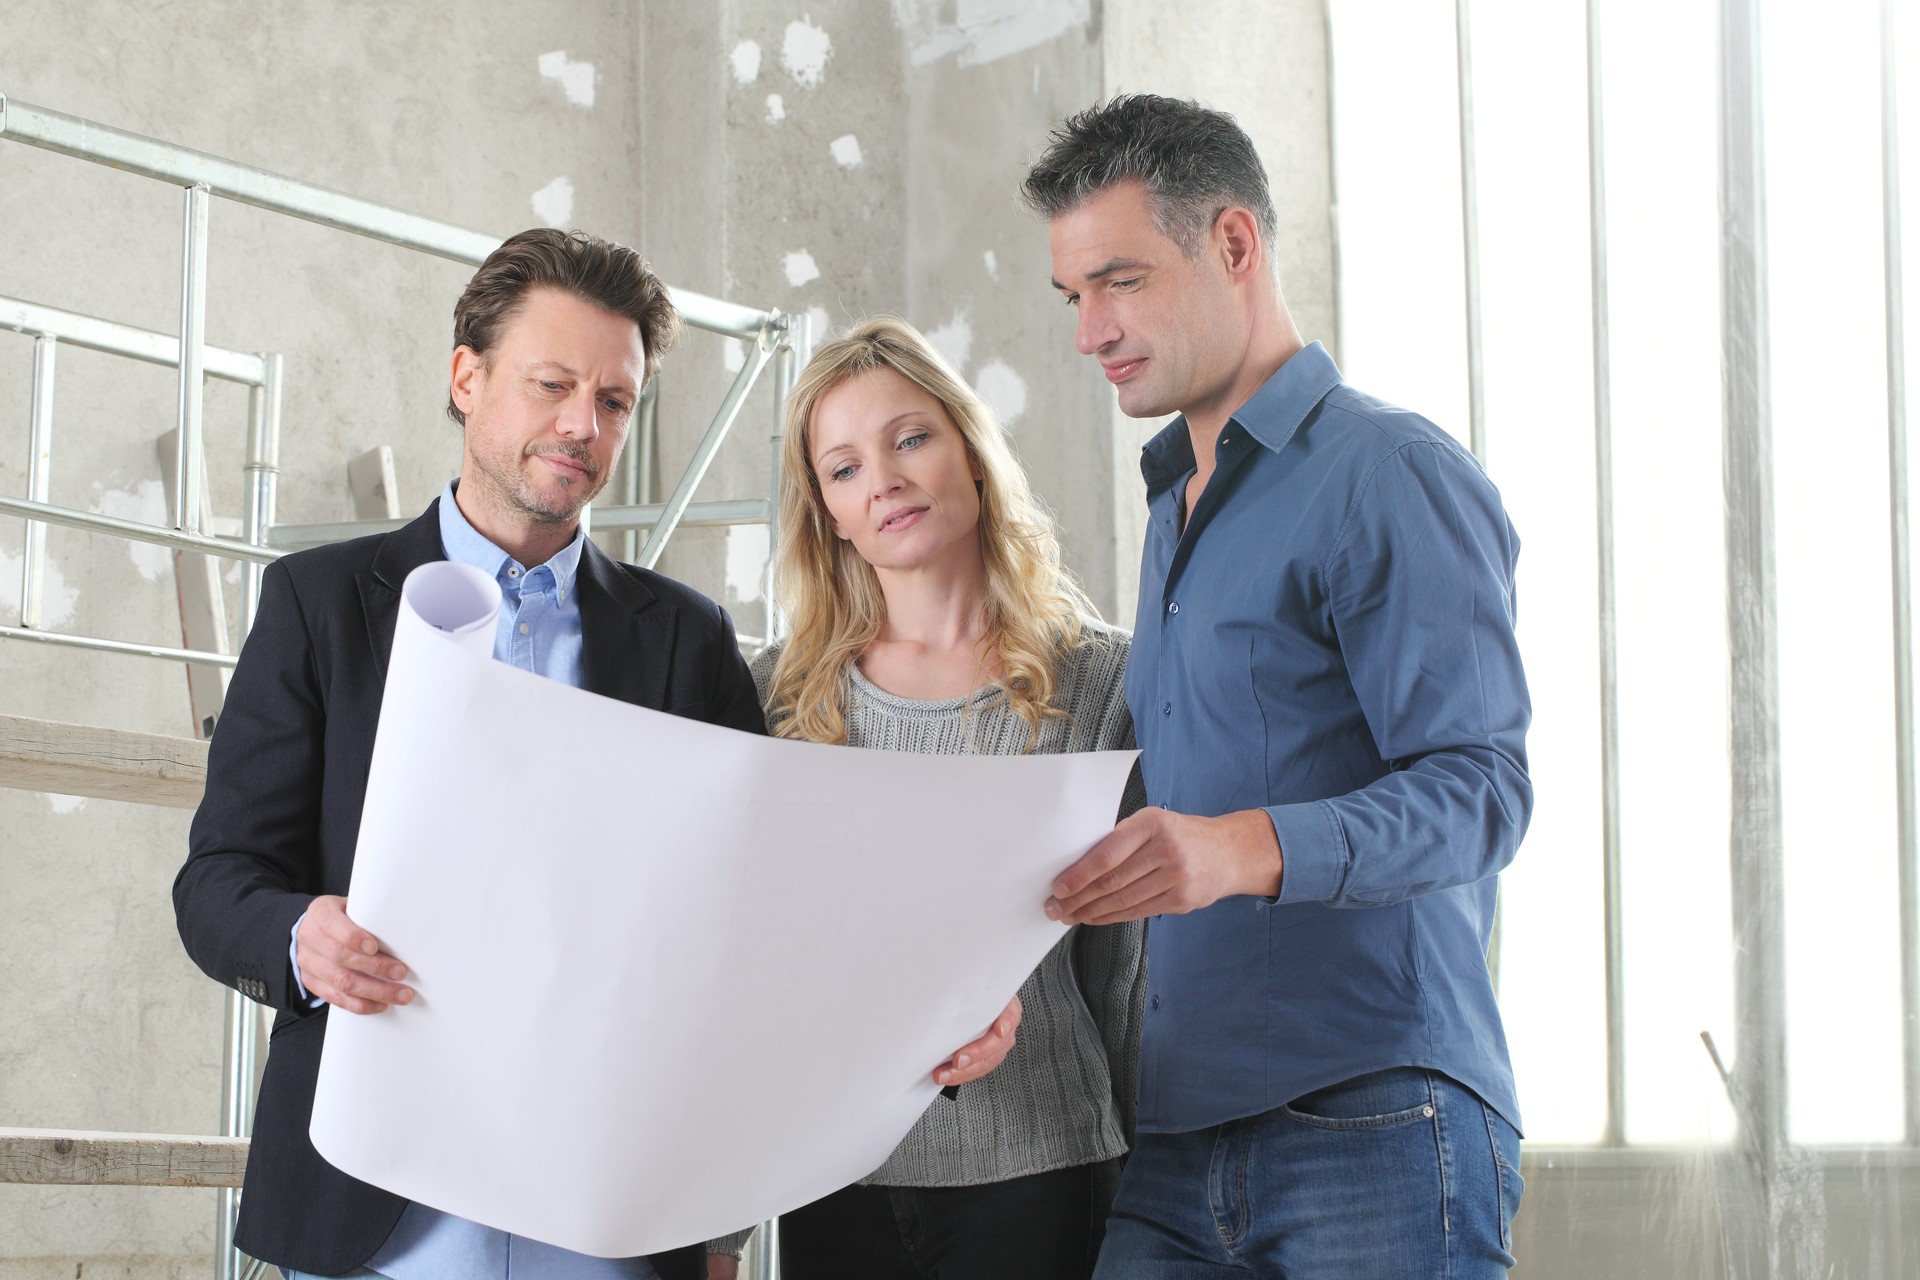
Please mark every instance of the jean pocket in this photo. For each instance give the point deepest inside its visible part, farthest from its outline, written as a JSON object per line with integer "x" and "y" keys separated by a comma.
{"x": 1505, "y": 1142}
{"x": 1377, "y": 1100}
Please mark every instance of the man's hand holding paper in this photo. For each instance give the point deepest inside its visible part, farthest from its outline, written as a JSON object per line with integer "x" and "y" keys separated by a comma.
{"x": 343, "y": 964}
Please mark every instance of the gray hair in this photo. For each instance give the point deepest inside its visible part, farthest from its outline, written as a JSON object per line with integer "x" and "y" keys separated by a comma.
{"x": 1194, "y": 162}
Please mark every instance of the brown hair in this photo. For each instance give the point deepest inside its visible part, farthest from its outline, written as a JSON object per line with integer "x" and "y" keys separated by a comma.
{"x": 608, "y": 275}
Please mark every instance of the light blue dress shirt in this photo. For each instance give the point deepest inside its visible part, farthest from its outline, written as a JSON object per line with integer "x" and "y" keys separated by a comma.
{"x": 1329, "y": 637}
{"x": 539, "y": 631}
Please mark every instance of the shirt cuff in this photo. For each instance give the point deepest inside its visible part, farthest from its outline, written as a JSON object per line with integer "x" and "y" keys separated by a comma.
{"x": 293, "y": 963}
{"x": 1313, "y": 851}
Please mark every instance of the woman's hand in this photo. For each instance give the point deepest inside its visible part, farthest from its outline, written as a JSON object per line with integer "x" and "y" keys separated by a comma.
{"x": 971, "y": 1061}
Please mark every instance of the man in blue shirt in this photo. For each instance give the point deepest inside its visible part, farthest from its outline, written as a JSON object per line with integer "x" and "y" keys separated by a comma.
{"x": 1332, "y": 711}
{"x": 553, "y": 339}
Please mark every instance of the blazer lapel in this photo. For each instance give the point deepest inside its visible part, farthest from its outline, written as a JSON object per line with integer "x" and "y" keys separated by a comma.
{"x": 399, "y": 554}
{"x": 626, "y": 633}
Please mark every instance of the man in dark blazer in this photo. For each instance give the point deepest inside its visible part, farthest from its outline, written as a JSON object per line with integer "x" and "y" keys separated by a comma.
{"x": 554, "y": 337}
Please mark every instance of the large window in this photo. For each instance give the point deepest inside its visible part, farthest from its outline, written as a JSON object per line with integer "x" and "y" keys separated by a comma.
{"x": 1682, "y": 389}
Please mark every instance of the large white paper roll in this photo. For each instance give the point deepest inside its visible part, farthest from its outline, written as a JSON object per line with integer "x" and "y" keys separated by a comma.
{"x": 673, "y": 979}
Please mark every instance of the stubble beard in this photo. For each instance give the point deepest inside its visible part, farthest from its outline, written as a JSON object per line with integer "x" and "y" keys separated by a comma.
{"x": 520, "y": 492}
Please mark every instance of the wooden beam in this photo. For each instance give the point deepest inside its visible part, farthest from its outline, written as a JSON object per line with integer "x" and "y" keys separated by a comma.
{"x": 106, "y": 764}
{"x": 73, "y": 1157}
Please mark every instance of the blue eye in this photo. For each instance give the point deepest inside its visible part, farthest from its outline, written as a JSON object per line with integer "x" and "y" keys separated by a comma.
{"x": 916, "y": 440}
{"x": 843, "y": 473}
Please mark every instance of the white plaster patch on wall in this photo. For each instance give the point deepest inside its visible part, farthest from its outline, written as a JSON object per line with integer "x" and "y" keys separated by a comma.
{"x": 553, "y": 203}
{"x": 800, "y": 268}
{"x": 846, "y": 151}
{"x": 822, "y": 324}
{"x": 57, "y": 599}
{"x": 746, "y": 61}
{"x": 776, "y": 109}
{"x": 984, "y": 30}
{"x": 954, "y": 340}
{"x": 746, "y": 561}
{"x": 804, "y": 53}
{"x": 64, "y": 804}
{"x": 1004, "y": 391}
{"x": 145, "y": 502}
{"x": 733, "y": 354}
{"x": 991, "y": 263}
{"x": 574, "y": 78}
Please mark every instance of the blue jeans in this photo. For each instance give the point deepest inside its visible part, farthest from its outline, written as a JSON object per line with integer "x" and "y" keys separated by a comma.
{"x": 1397, "y": 1175}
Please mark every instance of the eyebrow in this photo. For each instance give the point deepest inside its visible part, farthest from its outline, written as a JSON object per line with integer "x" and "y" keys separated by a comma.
{"x": 1116, "y": 264}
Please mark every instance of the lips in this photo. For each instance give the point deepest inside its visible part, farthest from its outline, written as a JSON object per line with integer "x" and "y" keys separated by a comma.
{"x": 904, "y": 518}
{"x": 566, "y": 462}
{"x": 1122, "y": 371}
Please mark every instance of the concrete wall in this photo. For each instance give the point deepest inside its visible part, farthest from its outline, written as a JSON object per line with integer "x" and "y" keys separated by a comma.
{"x": 882, "y": 178}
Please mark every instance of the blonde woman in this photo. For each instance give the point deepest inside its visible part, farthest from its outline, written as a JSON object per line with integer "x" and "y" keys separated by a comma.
{"x": 929, "y": 612}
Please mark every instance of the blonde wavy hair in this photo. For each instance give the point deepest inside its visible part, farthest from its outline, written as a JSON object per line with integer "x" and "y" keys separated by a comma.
{"x": 832, "y": 596}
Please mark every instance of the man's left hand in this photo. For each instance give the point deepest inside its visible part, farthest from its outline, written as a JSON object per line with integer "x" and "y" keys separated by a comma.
{"x": 971, "y": 1061}
{"x": 1158, "y": 862}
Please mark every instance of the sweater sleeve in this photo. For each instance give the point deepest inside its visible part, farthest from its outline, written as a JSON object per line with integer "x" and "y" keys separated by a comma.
{"x": 733, "y": 1245}
{"x": 1112, "y": 959}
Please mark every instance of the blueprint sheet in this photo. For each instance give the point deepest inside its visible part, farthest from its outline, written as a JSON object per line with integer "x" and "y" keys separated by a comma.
{"x": 672, "y": 979}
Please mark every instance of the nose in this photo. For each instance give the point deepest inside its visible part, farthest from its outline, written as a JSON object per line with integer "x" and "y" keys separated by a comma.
{"x": 1095, "y": 328}
{"x": 884, "y": 478}
{"x": 579, "y": 418}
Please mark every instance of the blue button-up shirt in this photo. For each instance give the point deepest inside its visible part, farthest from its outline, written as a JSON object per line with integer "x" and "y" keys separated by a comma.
{"x": 539, "y": 625}
{"x": 540, "y": 632}
{"x": 1330, "y": 639}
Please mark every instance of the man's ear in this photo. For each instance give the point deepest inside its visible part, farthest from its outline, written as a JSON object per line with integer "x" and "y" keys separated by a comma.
{"x": 468, "y": 366}
{"x": 1236, "y": 241}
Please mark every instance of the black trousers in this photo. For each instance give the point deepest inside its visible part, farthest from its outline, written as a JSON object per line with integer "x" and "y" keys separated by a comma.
{"x": 1046, "y": 1226}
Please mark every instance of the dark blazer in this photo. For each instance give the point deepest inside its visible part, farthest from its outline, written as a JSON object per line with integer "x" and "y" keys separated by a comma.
{"x": 286, "y": 775}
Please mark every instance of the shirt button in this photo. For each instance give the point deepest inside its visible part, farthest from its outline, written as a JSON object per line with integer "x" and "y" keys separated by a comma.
{"x": 523, "y": 628}
{"x": 1173, "y": 606}
{"x": 513, "y": 571}
{"x": 1166, "y": 708}
{"x": 1154, "y": 1003}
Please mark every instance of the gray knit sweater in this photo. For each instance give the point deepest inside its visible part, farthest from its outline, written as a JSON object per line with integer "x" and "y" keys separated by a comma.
{"x": 1065, "y": 1094}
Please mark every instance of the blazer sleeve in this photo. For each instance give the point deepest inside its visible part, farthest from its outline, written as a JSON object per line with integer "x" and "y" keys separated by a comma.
{"x": 253, "y": 851}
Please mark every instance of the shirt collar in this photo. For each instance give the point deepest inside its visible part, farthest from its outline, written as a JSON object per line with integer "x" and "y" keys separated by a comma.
{"x": 468, "y": 545}
{"x": 1271, "y": 415}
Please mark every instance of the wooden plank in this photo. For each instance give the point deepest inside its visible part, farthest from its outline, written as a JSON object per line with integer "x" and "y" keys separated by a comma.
{"x": 74, "y": 1157}
{"x": 107, "y": 764}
